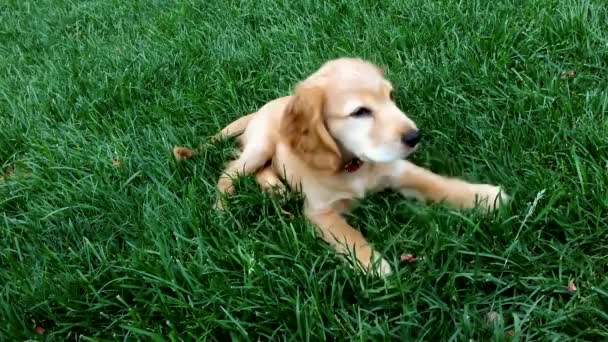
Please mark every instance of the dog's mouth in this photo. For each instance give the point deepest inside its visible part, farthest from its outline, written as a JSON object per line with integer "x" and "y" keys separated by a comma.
{"x": 394, "y": 155}
{"x": 385, "y": 153}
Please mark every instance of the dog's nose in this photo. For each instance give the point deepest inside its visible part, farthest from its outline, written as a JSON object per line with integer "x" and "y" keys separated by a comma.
{"x": 411, "y": 138}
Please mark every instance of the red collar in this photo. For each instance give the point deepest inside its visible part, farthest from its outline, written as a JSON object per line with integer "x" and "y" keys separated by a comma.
{"x": 353, "y": 165}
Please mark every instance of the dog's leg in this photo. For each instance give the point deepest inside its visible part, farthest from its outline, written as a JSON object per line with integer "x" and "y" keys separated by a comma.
{"x": 253, "y": 157}
{"x": 236, "y": 127}
{"x": 414, "y": 181}
{"x": 269, "y": 181}
{"x": 348, "y": 241}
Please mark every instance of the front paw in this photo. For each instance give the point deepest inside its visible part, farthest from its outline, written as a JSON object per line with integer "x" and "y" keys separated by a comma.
{"x": 380, "y": 267}
{"x": 374, "y": 264}
{"x": 486, "y": 196}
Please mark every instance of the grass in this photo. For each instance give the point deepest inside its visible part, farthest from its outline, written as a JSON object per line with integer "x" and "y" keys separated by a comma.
{"x": 508, "y": 92}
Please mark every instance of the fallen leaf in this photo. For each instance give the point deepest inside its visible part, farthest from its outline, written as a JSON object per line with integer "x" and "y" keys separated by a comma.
{"x": 409, "y": 258}
{"x": 116, "y": 163}
{"x": 39, "y": 330}
{"x": 571, "y": 286}
{"x": 510, "y": 332}
{"x": 492, "y": 317}
{"x": 10, "y": 171}
{"x": 182, "y": 153}
{"x": 568, "y": 74}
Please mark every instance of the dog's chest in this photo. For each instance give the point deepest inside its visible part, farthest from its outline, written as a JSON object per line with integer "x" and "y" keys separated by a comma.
{"x": 339, "y": 196}
{"x": 358, "y": 186}
{"x": 353, "y": 185}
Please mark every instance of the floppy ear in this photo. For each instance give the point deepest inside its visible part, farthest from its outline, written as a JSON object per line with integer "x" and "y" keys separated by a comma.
{"x": 304, "y": 129}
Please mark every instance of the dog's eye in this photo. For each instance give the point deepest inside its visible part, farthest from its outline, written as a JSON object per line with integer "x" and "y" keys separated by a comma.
{"x": 361, "y": 112}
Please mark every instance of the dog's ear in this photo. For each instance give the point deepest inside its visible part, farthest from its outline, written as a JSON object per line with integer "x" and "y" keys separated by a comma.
{"x": 305, "y": 131}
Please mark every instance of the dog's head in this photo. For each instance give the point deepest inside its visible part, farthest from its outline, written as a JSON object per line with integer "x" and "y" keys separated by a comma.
{"x": 345, "y": 110}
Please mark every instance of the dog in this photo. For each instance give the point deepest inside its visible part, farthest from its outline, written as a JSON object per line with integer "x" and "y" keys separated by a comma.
{"x": 339, "y": 136}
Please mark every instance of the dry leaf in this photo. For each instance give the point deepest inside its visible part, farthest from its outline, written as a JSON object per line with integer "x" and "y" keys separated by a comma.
{"x": 10, "y": 171}
{"x": 116, "y": 163}
{"x": 571, "y": 286}
{"x": 182, "y": 153}
{"x": 38, "y": 329}
{"x": 409, "y": 258}
{"x": 510, "y": 332}
{"x": 492, "y": 317}
{"x": 568, "y": 74}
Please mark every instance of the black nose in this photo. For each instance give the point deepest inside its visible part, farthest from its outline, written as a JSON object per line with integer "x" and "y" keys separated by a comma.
{"x": 411, "y": 138}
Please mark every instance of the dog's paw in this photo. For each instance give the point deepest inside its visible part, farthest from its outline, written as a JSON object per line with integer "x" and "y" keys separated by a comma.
{"x": 377, "y": 266}
{"x": 371, "y": 263}
{"x": 486, "y": 196}
{"x": 381, "y": 268}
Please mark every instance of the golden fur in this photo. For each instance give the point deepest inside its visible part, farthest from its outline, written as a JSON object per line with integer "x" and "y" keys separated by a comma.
{"x": 341, "y": 112}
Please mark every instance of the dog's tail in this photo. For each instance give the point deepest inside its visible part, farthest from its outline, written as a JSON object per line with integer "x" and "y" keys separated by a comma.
{"x": 237, "y": 127}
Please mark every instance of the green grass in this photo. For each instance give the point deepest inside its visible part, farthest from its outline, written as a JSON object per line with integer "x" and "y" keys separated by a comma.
{"x": 96, "y": 252}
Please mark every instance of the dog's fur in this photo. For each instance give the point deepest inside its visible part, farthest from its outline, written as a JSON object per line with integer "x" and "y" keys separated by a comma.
{"x": 307, "y": 138}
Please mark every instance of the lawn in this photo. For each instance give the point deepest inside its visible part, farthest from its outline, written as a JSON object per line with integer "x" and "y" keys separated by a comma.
{"x": 103, "y": 236}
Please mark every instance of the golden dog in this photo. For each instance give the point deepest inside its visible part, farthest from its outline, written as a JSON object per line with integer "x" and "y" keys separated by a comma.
{"x": 338, "y": 137}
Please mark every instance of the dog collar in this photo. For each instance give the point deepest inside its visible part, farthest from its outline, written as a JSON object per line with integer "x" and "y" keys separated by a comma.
{"x": 353, "y": 165}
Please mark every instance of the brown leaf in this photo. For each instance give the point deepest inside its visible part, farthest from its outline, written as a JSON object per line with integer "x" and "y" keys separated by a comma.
{"x": 39, "y": 330}
{"x": 492, "y": 317}
{"x": 571, "y": 286}
{"x": 409, "y": 258}
{"x": 116, "y": 163}
{"x": 9, "y": 172}
{"x": 568, "y": 74}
